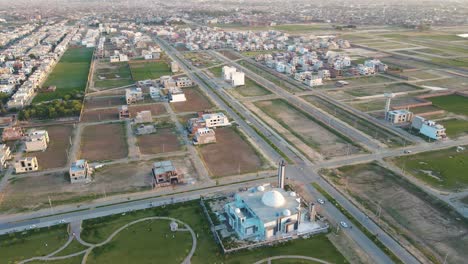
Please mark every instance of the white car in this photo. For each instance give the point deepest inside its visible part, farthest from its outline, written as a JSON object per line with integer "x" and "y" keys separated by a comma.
{"x": 344, "y": 224}
{"x": 320, "y": 201}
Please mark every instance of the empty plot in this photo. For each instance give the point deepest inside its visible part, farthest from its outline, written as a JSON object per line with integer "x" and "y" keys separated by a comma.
{"x": 98, "y": 115}
{"x": 111, "y": 75}
{"x": 149, "y": 70}
{"x": 196, "y": 101}
{"x": 156, "y": 109}
{"x": 451, "y": 103}
{"x": 56, "y": 154}
{"x": 455, "y": 127}
{"x": 102, "y": 102}
{"x": 381, "y": 89}
{"x": 104, "y": 142}
{"x": 251, "y": 88}
{"x": 230, "y": 155}
{"x": 442, "y": 169}
{"x": 456, "y": 83}
{"x": 304, "y": 127}
{"x": 164, "y": 140}
{"x": 426, "y": 223}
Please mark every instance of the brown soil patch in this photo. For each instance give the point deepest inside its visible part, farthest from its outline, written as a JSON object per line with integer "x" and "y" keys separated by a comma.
{"x": 164, "y": 140}
{"x": 104, "y": 142}
{"x": 55, "y": 156}
{"x": 101, "y": 102}
{"x": 156, "y": 109}
{"x": 230, "y": 155}
{"x": 196, "y": 101}
{"x": 90, "y": 116}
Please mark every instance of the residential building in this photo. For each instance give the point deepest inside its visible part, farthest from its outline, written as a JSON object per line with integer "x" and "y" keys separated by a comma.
{"x": 164, "y": 173}
{"x": 194, "y": 124}
{"x": 183, "y": 82}
{"x": 27, "y": 164}
{"x": 80, "y": 172}
{"x": 176, "y": 94}
{"x": 234, "y": 77}
{"x": 204, "y": 136}
{"x": 175, "y": 67}
{"x": 124, "y": 112}
{"x": 143, "y": 117}
{"x": 215, "y": 120}
{"x": 399, "y": 116}
{"x": 428, "y": 128}
{"x": 145, "y": 129}
{"x": 37, "y": 141}
{"x": 12, "y": 133}
{"x": 133, "y": 95}
{"x": 5, "y": 154}
{"x": 155, "y": 93}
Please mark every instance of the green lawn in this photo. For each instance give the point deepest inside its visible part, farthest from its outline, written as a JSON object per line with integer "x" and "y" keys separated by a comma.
{"x": 143, "y": 243}
{"x": 452, "y": 103}
{"x": 455, "y": 127}
{"x": 112, "y": 83}
{"x": 70, "y": 75}
{"x": 73, "y": 247}
{"x": 149, "y": 70}
{"x": 207, "y": 251}
{"x": 251, "y": 88}
{"x": 443, "y": 169}
{"x": 40, "y": 242}
{"x": 73, "y": 260}
{"x": 217, "y": 71}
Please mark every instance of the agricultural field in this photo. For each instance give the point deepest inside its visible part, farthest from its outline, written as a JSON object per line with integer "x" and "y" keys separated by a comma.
{"x": 112, "y": 75}
{"x": 408, "y": 212}
{"x": 104, "y": 142}
{"x": 451, "y": 103}
{"x": 455, "y": 83}
{"x": 56, "y": 154}
{"x": 196, "y": 101}
{"x": 441, "y": 169}
{"x": 207, "y": 251}
{"x": 115, "y": 179}
{"x": 455, "y": 127}
{"x": 142, "y": 70}
{"x": 231, "y": 143}
{"x": 251, "y": 88}
{"x": 164, "y": 140}
{"x": 420, "y": 74}
{"x": 103, "y": 102}
{"x": 98, "y": 115}
{"x": 70, "y": 75}
{"x": 325, "y": 141}
{"x": 369, "y": 80}
{"x": 200, "y": 59}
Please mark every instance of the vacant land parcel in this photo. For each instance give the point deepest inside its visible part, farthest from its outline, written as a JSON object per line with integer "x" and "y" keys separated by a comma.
{"x": 230, "y": 143}
{"x": 56, "y": 154}
{"x": 70, "y": 75}
{"x": 196, "y": 101}
{"x": 328, "y": 143}
{"x": 443, "y": 169}
{"x": 452, "y": 103}
{"x": 104, "y": 142}
{"x": 142, "y": 70}
{"x": 251, "y": 88}
{"x": 111, "y": 75}
{"x": 423, "y": 221}
{"x": 164, "y": 140}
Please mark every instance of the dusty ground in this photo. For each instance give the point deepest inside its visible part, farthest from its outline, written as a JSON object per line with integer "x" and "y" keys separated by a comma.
{"x": 164, "y": 140}
{"x": 196, "y": 101}
{"x": 55, "y": 156}
{"x": 100, "y": 115}
{"x": 230, "y": 147}
{"x": 310, "y": 132}
{"x": 104, "y": 101}
{"x": 104, "y": 142}
{"x": 426, "y": 226}
{"x": 156, "y": 109}
{"x": 109, "y": 180}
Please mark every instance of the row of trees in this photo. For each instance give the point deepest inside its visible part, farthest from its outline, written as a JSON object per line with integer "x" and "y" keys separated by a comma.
{"x": 50, "y": 110}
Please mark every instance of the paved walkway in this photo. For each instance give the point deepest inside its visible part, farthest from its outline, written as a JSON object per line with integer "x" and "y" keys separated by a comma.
{"x": 268, "y": 260}
{"x": 75, "y": 230}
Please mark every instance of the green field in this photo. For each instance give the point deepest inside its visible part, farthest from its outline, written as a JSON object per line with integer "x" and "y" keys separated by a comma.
{"x": 111, "y": 75}
{"x": 70, "y": 75}
{"x": 251, "y": 88}
{"x": 207, "y": 250}
{"x": 455, "y": 127}
{"x": 39, "y": 242}
{"x": 452, "y": 103}
{"x": 443, "y": 169}
{"x": 217, "y": 71}
{"x": 149, "y": 70}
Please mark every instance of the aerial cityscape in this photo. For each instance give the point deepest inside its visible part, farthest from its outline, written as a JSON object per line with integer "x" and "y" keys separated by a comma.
{"x": 233, "y": 131}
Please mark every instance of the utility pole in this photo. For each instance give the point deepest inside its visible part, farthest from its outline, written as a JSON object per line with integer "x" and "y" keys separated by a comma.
{"x": 50, "y": 204}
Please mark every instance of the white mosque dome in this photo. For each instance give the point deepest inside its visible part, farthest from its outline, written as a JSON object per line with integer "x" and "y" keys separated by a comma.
{"x": 237, "y": 210}
{"x": 293, "y": 194}
{"x": 273, "y": 199}
{"x": 286, "y": 212}
{"x": 261, "y": 188}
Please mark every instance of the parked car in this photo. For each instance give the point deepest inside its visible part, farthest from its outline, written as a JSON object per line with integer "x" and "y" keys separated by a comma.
{"x": 344, "y": 224}
{"x": 320, "y": 201}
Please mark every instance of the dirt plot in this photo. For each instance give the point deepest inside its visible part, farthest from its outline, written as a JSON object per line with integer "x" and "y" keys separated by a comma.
{"x": 230, "y": 155}
{"x": 104, "y": 142}
{"x": 196, "y": 101}
{"x": 424, "y": 223}
{"x": 55, "y": 156}
{"x": 164, "y": 140}
{"x": 100, "y": 115}
{"x": 105, "y": 101}
{"x": 306, "y": 129}
{"x": 156, "y": 109}
{"x": 108, "y": 180}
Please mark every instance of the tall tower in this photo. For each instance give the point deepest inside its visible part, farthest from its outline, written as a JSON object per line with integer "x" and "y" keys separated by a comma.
{"x": 281, "y": 168}
{"x": 389, "y": 97}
